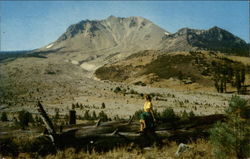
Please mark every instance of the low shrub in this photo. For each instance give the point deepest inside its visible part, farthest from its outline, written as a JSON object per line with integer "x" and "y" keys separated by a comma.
{"x": 169, "y": 115}
{"x": 117, "y": 90}
{"x": 138, "y": 113}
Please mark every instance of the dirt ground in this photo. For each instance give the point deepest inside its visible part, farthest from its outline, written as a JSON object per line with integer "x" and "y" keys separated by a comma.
{"x": 59, "y": 84}
{"x": 124, "y": 103}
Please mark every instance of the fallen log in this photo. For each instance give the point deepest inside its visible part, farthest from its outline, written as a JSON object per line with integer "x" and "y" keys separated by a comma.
{"x": 104, "y": 136}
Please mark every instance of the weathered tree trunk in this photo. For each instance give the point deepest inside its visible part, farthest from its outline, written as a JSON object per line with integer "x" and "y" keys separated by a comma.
{"x": 46, "y": 120}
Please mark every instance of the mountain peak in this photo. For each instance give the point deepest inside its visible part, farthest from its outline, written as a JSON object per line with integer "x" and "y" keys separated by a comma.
{"x": 130, "y": 33}
{"x": 183, "y": 30}
{"x": 219, "y": 30}
{"x": 216, "y": 28}
{"x": 112, "y": 17}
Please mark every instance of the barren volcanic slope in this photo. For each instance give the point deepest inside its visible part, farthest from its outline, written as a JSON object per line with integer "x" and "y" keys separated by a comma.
{"x": 127, "y": 34}
{"x": 94, "y": 43}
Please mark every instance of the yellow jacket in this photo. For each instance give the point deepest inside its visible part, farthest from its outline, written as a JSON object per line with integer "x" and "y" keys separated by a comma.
{"x": 147, "y": 106}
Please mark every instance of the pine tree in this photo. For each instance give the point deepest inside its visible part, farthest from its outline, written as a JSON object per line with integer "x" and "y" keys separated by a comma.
{"x": 191, "y": 115}
{"x": 103, "y": 106}
{"x": 4, "y": 116}
{"x": 103, "y": 116}
{"x": 238, "y": 82}
{"x": 184, "y": 115}
{"x": 231, "y": 139}
{"x": 25, "y": 118}
{"x": 86, "y": 115}
{"x": 94, "y": 117}
{"x": 57, "y": 116}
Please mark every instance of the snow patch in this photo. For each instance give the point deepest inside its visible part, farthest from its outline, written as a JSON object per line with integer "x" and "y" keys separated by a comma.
{"x": 166, "y": 33}
{"x": 49, "y": 46}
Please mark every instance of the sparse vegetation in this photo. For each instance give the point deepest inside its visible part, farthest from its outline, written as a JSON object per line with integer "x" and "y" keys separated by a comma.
{"x": 30, "y": 146}
{"x": 205, "y": 68}
{"x": 88, "y": 116}
{"x": 22, "y": 148}
{"x": 168, "y": 115}
{"x": 140, "y": 83}
{"x": 133, "y": 92}
{"x": 201, "y": 149}
{"x": 238, "y": 111}
{"x": 164, "y": 71}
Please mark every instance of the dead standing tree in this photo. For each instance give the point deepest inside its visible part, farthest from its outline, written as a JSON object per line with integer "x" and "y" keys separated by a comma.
{"x": 47, "y": 122}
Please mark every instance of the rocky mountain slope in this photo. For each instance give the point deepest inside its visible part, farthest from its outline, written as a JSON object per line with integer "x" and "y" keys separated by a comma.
{"x": 215, "y": 39}
{"x": 131, "y": 33}
{"x": 93, "y": 43}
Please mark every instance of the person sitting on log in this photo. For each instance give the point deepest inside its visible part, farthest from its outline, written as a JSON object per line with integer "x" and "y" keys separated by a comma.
{"x": 147, "y": 118}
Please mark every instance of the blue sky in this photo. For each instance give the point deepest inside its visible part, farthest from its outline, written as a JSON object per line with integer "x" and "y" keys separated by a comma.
{"x": 33, "y": 24}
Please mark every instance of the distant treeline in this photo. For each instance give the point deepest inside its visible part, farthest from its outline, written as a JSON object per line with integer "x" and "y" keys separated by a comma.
{"x": 16, "y": 52}
{"x": 10, "y": 55}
